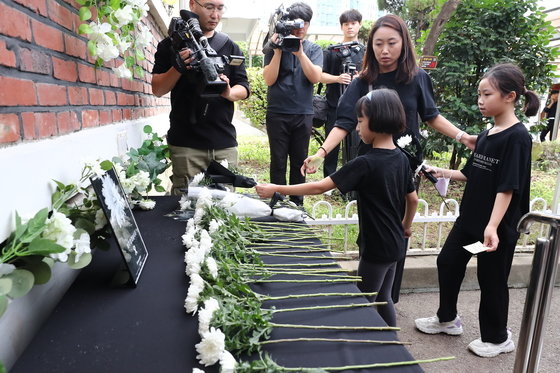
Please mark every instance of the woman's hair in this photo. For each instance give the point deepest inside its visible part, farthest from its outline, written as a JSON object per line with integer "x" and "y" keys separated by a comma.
{"x": 384, "y": 109}
{"x": 406, "y": 67}
{"x": 351, "y": 15}
{"x": 300, "y": 10}
{"x": 507, "y": 77}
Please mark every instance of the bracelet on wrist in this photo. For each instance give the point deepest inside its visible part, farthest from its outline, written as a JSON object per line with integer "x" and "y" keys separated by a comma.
{"x": 459, "y": 135}
{"x": 325, "y": 150}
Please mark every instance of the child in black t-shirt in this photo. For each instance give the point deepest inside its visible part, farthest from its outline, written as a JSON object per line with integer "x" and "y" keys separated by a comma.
{"x": 387, "y": 199}
{"x": 496, "y": 196}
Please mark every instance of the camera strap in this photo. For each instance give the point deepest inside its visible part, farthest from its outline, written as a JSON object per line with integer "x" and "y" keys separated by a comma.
{"x": 219, "y": 40}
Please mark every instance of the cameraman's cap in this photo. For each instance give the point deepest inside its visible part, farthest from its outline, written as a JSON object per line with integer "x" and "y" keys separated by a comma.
{"x": 553, "y": 91}
{"x": 300, "y": 10}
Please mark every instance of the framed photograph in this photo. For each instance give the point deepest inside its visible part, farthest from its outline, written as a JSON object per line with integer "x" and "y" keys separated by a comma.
{"x": 115, "y": 205}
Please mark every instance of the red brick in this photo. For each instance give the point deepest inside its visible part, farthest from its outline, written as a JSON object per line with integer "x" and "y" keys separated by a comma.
{"x": 65, "y": 70}
{"x": 14, "y": 23}
{"x": 47, "y": 36}
{"x": 61, "y": 15}
{"x": 9, "y": 128}
{"x": 28, "y": 120}
{"x": 45, "y": 124}
{"x": 105, "y": 117}
{"x": 20, "y": 93}
{"x": 67, "y": 122}
{"x": 90, "y": 118}
{"x": 74, "y": 46}
{"x": 7, "y": 57}
{"x": 52, "y": 94}
{"x": 96, "y": 96}
{"x": 126, "y": 84}
{"x": 116, "y": 81}
{"x": 110, "y": 98}
{"x": 117, "y": 115}
{"x": 38, "y": 6}
{"x": 103, "y": 77}
{"x": 73, "y": 3}
{"x": 86, "y": 73}
{"x": 78, "y": 96}
{"x": 127, "y": 114}
{"x": 121, "y": 99}
{"x": 35, "y": 61}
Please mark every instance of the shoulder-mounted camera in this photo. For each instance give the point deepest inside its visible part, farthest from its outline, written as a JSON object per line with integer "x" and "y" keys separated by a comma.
{"x": 185, "y": 32}
{"x": 281, "y": 24}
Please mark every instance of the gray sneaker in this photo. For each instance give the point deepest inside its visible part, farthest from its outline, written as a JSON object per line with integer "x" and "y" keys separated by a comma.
{"x": 487, "y": 349}
{"x": 431, "y": 325}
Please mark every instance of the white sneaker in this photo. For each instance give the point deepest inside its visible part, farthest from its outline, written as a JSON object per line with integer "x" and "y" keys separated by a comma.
{"x": 431, "y": 325}
{"x": 486, "y": 349}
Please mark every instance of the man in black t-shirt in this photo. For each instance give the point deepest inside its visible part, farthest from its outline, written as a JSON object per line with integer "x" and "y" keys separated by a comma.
{"x": 341, "y": 63}
{"x": 550, "y": 113}
{"x": 201, "y": 128}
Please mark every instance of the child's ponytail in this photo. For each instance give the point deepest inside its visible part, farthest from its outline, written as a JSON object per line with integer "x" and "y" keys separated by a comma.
{"x": 532, "y": 103}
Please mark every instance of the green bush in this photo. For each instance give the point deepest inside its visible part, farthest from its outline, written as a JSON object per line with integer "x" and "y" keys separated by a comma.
{"x": 254, "y": 107}
{"x": 548, "y": 155}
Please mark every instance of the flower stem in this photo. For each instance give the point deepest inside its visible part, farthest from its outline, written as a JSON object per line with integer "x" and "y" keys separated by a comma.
{"x": 333, "y": 340}
{"x": 374, "y": 365}
{"x": 334, "y": 327}
{"x": 303, "y": 256}
{"x": 308, "y": 274}
{"x": 329, "y": 307}
{"x": 296, "y": 281}
{"x": 295, "y": 296}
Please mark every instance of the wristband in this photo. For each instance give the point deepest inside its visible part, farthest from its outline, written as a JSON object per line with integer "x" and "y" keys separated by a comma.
{"x": 325, "y": 150}
{"x": 459, "y": 135}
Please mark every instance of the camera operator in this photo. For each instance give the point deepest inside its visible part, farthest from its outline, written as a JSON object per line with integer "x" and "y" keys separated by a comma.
{"x": 201, "y": 127}
{"x": 341, "y": 63}
{"x": 290, "y": 77}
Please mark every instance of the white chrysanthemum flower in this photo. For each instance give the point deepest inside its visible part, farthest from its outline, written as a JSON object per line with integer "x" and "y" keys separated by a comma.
{"x": 82, "y": 246}
{"x": 403, "y": 141}
{"x": 141, "y": 180}
{"x": 106, "y": 50}
{"x": 99, "y": 31}
{"x": 224, "y": 163}
{"x": 60, "y": 230}
{"x": 123, "y": 15}
{"x": 196, "y": 179}
{"x": 214, "y": 225}
{"x": 205, "y": 241}
{"x": 227, "y": 362}
{"x": 189, "y": 238}
{"x": 185, "y": 203}
{"x": 122, "y": 71}
{"x": 425, "y": 134}
{"x": 211, "y": 348}
{"x": 147, "y": 204}
{"x": 143, "y": 37}
{"x": 198, "y": 215}
{"x": 127, "y": 184}
{"x": 100, "y": 219}
{"x": 205, "y": 315}
{"x": 195, "y": 288}
{"x": 204, "y": 198}
{"x": 6, "y": 269}
{"x": 196, "y": 370}
{"x": 212, "y": 266}
{"x": 194, "y": 259}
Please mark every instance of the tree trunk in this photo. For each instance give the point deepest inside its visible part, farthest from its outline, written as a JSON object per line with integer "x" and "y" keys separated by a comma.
{"x": 446, "y": 12}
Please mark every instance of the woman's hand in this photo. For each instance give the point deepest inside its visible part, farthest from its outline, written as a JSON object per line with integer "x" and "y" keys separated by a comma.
{"x": 469, "y": 140}
{"x": 491, "y": 239}
{"x": 311, "y": 164}
{"x": 265, "y": 190}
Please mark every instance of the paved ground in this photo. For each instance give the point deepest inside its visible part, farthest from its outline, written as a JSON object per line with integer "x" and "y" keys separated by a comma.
{"x": 418, "y": 304}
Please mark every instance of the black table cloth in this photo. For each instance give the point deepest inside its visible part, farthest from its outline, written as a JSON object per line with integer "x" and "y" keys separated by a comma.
{"x": 99, "y": 328}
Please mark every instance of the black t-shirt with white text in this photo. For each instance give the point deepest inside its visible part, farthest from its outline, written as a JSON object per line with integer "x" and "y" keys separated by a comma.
{"x": 500, "y": 162}
{"x": 382, "y": 178}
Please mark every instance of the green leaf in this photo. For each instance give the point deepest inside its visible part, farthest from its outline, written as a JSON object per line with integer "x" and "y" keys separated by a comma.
{"x": 148, "y": 128}
{"x": 86, "y": 29}
{"x": 115, "y": 4}
{"x": 5, "y": 285}
{"x": 35, "y": 226}
{"x": 92, "y": 49}
{"x": 138, "y": 71}
{"x": 85, "y": 259}
{"x": 106, "y": 165}
{"x": 84, "y": 13}
{"x": 3, "y": 307}
{"x": 42, "y": 246}
{"x": 129, "y": 61}
{"x": 41, "y": 271}
{"x": 85, "y": 224}
{"x": 22, "y": 282}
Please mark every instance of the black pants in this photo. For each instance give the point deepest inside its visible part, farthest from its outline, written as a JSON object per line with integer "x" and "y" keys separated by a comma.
{"x": 547, "y": 130}
{"x": 492, "y": 271}
{"x": 331, "y": 160}
{"x": 288, "y": 137}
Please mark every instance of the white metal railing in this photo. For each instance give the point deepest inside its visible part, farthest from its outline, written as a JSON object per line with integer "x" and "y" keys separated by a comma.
{"x": 423, "y": 216}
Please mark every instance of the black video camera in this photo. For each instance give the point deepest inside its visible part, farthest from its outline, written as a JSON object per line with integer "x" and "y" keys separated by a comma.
{"x": 185, "y": 32}
{"x": 344, "y": 51}
{"x": 281, "y": 24}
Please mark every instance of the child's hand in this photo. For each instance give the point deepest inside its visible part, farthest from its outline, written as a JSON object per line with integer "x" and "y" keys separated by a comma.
{"x": 491, "y": 239}
{"x": 407, "y": 232}
{"x": 265, "y": 190}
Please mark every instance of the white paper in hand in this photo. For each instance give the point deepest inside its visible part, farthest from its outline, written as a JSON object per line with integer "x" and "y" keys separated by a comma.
{"x": 475, "y": 248}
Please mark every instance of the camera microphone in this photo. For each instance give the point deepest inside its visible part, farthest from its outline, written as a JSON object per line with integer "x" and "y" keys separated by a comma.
{"x": 192, "y": 20}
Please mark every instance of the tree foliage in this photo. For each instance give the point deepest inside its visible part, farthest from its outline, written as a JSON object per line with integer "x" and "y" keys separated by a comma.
{"x": 254, "y": 107}
{"x": 480, "y": 34}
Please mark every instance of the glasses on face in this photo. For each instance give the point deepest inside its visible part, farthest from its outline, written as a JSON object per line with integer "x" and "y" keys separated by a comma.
{"x": 211, "y": 8}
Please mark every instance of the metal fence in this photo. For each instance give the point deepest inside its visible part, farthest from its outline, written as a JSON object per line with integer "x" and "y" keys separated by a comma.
{"x": 424, "y": 222}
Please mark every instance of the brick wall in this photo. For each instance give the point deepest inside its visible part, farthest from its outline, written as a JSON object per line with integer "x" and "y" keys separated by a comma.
{"x": 49, "y": 85}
